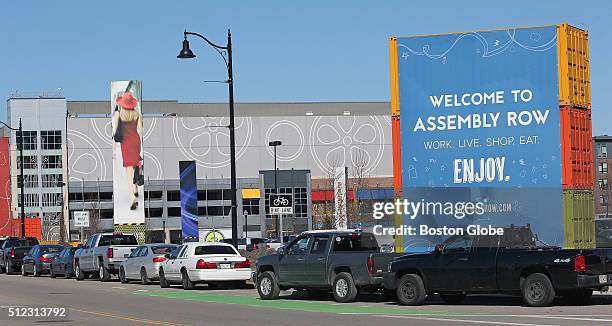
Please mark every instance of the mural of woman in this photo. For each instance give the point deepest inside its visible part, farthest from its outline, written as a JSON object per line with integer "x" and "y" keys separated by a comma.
{"x": 127, "y": 130}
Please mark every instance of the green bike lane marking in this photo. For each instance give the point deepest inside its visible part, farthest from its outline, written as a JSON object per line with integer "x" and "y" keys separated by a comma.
{"x": 300, "y": 305}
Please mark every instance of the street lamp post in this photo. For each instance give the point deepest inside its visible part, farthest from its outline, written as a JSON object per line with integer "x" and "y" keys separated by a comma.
{"x": 20, "y": 178}
{"x": 274, "y": 144}
{"x": 186, "y": 53}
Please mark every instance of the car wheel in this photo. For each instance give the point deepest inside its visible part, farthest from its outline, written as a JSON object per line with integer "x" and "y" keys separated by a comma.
{"x": 187, "y": 283}
{"x": 8, "y": 268}
{"x": 452, "y": 298}
{"x": 144, "y": 278}
{"x": 35, "y": 270}
{"x": 344, "y": 288}
{"x": 267, "y": 287}
{"x": 411, "y": 290}
{"x": 78, "y": 273}
{"x": 122, "y": 278}
{"x": 103, "y": 273}
{"x": 578, "y": 297}
{"x": 23, "y": 271}
{"x": 163, "y": 283}
{"x": 537, "y": 290}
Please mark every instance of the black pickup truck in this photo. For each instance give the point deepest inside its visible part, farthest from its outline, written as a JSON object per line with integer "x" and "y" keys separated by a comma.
{"x": 511, "y": 263}
{"x": 12, "y": 251}
{"x": 344, "y": 261}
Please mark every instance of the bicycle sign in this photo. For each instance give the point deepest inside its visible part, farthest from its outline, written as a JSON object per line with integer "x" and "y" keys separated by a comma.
{"x": 281, "y": 204}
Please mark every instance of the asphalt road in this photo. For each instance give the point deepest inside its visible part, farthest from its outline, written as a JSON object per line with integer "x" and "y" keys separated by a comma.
{"x": 91, "y": 302}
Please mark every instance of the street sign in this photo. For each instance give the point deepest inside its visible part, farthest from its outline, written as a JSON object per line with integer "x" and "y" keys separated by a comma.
{"x": 81, "y": 219}
{"x": 281, "y": 204}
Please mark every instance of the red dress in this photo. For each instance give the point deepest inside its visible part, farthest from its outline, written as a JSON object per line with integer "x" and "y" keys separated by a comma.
{"x": 130, "y": 146}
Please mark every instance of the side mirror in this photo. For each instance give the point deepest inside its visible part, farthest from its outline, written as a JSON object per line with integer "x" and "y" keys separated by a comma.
{"x": 167, "y": 256}
{"x": 439, "y": 248}
{"x": 280, "y": 251}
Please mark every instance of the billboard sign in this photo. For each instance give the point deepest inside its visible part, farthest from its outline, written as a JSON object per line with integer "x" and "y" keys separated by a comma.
{"x": 189, "y": 200}
{"x": 128, "y": 168}
{"x": 480, "y": 125}
{"x": 281, "y": 204}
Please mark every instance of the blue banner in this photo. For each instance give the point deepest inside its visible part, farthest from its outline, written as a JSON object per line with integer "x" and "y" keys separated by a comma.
{"x": 480, "y": 133}
{"x": 189, "y": 200}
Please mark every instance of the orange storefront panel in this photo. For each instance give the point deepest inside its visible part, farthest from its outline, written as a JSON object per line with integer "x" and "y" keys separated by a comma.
{"x": 576, "y": 148}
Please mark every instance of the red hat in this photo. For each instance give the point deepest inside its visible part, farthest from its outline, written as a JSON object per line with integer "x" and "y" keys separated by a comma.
{"x": 127, "y": 101}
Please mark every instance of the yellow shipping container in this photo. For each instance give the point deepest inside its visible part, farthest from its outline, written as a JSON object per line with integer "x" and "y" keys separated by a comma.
{"x": 579, "y": 219}
{"x": 574, "y": 68}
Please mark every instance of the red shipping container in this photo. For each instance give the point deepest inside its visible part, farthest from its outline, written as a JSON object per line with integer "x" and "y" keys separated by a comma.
{"x": 397, "y": 156}
{"x": 576, "y": 148}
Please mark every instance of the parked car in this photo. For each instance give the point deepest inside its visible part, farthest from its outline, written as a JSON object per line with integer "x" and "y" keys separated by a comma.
{"x": 343, "y": 261}
{"x": 102, "y": 255}
{"x": 38, "y": 260}
{"x": 143, "y": 264}
{"x": 273, "y": 244}
{"x": 467, "y": 264}
{"x": 63, "y": 263}
{"x": 12, "y": 252}
{"x": 248, "y": 244}
{"x": 204, "y": 262}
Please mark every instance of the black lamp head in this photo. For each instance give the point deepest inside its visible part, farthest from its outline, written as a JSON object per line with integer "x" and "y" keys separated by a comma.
{"x": 186, "y": 52}
{"x": 275, "y": 143}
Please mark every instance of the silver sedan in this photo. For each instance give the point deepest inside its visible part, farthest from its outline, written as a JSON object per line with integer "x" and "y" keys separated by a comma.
{"x": 143, "y": 263}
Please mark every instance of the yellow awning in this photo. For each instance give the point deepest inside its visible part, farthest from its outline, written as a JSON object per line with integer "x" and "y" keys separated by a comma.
{"x": 250, "y": 193}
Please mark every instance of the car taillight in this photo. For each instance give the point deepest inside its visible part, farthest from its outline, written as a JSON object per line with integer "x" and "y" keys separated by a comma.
{"x": 45, "y": 259}
{"x": 243, "y": 264}
{"x": 159, "y": 259}
{"x": 201, "y": 264}
{"x": 579, "y": 264}
{"x": 13, "y": 253}
{"x": 370, "y": 264}
{"x": 109, "y": 253}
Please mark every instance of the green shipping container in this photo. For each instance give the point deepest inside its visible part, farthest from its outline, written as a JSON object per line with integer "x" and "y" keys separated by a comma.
{"x": 579, "y": 219}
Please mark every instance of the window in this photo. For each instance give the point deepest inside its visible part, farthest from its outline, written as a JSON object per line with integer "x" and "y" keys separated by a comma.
{"x": 30, "y": 180}
{"x": 52, "y": 180}
{"x": 299, "y": 247}
{"x": 603, "y": 183}
{"x": 117, "y": 240}
{"x": 30, "y": 162}
{"x": 355, "y": 242}
{"x": 173, "y": 195}
{"x": 174, "y": 211}
{"x": 31, "y": 200}
{"x": 603, "y": 151}
{"x": 29, "y": 140}
{"x": 51, "y": 249}
{"x": 319, "y": 245}
{"x": 162, "y": 250}
{"x": 458, "y": 244}
{"x": 51, "y": 199}
{"x": 176, "y": 252}
{"x": 154, "y": 212}
{"x": 153, "y": 195}
{"x": 215, "y": 250}
{"x": 603, "y": 167}
{"x": 251, "y": 206}
{"x": 603, "y": 200}
{"x": 51, "y": 162}
{"x": 51, "y": 139}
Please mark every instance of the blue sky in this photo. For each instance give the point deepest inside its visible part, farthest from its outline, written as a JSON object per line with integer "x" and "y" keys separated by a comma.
{"x": 283, "y": 50}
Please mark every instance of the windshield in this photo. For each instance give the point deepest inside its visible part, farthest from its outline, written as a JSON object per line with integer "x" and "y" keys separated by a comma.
{"x": 118, "y": 240}
{"x": 355, "y": 242}
{"x": 162, "y": 250}
{"x": 51, "y": 249}
{"x": 214, "y": 250}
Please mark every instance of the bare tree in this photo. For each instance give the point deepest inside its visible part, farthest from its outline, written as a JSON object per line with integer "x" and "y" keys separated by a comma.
{"x": 358, "y": 178}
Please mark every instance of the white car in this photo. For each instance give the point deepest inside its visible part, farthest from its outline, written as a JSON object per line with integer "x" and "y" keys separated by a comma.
{"x": 204, "y": 262}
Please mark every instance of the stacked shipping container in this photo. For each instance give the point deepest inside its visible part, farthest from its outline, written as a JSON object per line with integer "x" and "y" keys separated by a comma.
{"x": 576, "y": 137}
{"x": 575, "y": 129}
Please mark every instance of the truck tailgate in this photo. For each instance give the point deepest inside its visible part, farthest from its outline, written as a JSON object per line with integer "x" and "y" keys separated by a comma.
{"x": 120, "y": 251}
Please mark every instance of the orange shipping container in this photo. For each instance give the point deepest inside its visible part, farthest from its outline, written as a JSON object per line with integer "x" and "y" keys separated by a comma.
{"x": 576, "y": 148}
{"x": 574, "y": 68}
{"x": 397, "y": 156}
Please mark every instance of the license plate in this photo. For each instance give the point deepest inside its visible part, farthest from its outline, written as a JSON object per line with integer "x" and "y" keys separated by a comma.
{"x": 603, "y": 279}
{"x": 225, "y": 266}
